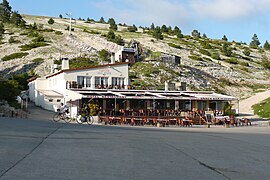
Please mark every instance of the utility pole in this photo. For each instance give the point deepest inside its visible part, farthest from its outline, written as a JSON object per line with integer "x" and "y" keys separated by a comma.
{"x": 70, "y": 18}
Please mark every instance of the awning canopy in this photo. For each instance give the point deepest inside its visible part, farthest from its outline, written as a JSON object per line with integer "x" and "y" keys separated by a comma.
{"x": 51, "y": 93}
{"x": 151, "y": 94}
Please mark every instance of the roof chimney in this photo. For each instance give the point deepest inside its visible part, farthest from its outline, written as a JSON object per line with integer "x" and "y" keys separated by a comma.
{"x": 166, "y": 86}
{"x": 65, "y": 63}
{"x": 113, "y": 58}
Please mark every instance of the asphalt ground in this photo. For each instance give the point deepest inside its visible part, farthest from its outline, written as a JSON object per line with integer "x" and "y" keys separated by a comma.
{"x": 42, "y": 149}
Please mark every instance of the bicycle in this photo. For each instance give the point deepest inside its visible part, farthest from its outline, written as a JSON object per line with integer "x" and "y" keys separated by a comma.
{"x": 84, "y": 117}
{"x": 61, "y": 116}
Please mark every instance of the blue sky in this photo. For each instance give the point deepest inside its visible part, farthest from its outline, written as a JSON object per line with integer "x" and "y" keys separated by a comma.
{"x": 237, "y": 19}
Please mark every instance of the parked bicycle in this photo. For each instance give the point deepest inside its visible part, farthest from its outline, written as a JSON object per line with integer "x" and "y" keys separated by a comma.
{"x": 65, "y": 116}
{"x": 84, "y": 118}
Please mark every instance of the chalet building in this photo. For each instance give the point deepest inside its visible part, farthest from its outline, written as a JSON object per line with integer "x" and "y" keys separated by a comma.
{"x": 125, "y": 55}
{"x": 170, "y": 58}
{"x": 108, "y": 86}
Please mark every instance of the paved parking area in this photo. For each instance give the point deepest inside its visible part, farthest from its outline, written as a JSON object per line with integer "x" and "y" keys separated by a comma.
{"x": 42, "y": 149}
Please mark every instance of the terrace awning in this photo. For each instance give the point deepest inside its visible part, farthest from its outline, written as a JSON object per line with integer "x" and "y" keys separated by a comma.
{"x": 158, "y": 95}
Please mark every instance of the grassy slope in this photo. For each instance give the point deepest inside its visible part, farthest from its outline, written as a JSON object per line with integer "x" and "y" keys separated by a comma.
{"x": 262, "y": 109}
{"x": 193, "y": 45}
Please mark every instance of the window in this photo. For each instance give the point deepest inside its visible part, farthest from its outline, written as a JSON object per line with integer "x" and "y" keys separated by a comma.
{"x": 84, "y": 81}
{"x": 58, "y": 100}
{"x": 118, "y": 82}
{"x": 101, "y": 82}
{"x": 50, "y": 100}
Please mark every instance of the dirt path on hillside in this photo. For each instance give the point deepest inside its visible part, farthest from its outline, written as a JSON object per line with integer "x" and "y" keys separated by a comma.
{"x": 246, "y": 104}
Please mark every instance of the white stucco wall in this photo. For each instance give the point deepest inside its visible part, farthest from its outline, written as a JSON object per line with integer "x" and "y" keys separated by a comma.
{"x": 58, "y": 83}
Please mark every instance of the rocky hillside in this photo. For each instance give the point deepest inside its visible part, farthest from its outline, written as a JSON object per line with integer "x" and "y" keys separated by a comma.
{"x": 205, "y": 62}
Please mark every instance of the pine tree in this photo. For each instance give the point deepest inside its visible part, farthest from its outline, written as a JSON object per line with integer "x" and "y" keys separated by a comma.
{"x": 195, "y": 33}
{"x": 5, "y": 11}
{"x": 266, "y": 45}
{"x": 226, "y": 50}
{"x": 164, "y": 28}
{"x": 178, "y": 32}
{"x": 157, "y": 33}
{"x": 246, "y": 52}
{"x": 102, "y": 20}
{"x": 225, "y": 38}
{"x": 204, "y": 36}
{"x": 51, "y": 21}
{"x": 60, "y": 16}
{"x": 112, "y": 23}
{"x": 255, "y": 41}
{"x": 2, "y": 29}
{"x": 17, "y": 19}
{"x": 152, "y": 27}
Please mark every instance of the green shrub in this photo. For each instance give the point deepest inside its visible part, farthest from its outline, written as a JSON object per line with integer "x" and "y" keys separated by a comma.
{"x": 232, "y": 61}
{"x": 244, "y": 64}
{"x": 243, "y": 68}
{"x": 38, "y": 60}
{"x": 195, "y": 57}
{"x": 80, "y": 62}
{"x": 205, "y": 44}
{"x": 14, "y": 56}
{"x": 40, "y": 38}
{"x": 33, "y": 34}
{"x": 91, "y": 31}
{"x": 12, "y": 40}
{"x": 58, "y": 33}
{"x": 215, "y": 56}
{"x": 174, "y": 46}
{"x": 205, "y": 52}
{"x": 33, "y": 45}
{"x": 46, "y": 30}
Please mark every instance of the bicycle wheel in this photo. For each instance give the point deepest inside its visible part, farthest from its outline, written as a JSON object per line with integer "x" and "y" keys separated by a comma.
{"x": 67, "y": 119}
{"x": 90, "y": 120}
{"x": 79, "y": 118}
{"x": 56, "y": 117}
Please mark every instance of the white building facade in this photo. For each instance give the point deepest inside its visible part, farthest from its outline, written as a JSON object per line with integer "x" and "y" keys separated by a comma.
{"x": 50, "y": 91}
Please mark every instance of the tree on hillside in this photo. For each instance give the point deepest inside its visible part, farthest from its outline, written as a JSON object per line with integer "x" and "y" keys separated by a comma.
{"x": 152, "y": 27}
{"x": 164, "y": 28}
{"x": 2, "y": 29}
{"x": 266, "y": 45}
{"x": 104, "y": 55}
{"x": 132, "y": 28}
{"x": 226, "y": 50}
{"x": 114, "y": 38}
{"x": 9, "y": 90}
{"x": 102, "y": 20}
{"x": 17, "y": 19}
{"x": 178, "y": 32}
{"x": 246, "y": 52}
{"x": 112, "y": 23}
{"x": 224, "y": 38}
{"x": 265, "y": 62}
{"x": 170, "y": 31}
{"x": 60, "y": 16}
{"x": 204, "y": 36}
{"x": 157, "y": 33}
{"x": 195, "y": 33}
{"x": 5, "y": 11}
{"x": 255, "y": 41}
{"x": 51, "y": 21}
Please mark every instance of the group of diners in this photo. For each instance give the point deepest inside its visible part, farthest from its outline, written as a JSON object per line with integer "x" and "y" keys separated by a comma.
{"x": 140, "y": 117}
{"x": 166, "y": 117}
{"x": 147, "y": 112}
{"x": 231, "y": 120}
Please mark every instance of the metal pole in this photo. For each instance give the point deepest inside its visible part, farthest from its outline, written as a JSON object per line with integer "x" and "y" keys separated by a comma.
{"x": 70, "y": 26}
{"x": 115, "y": 106}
